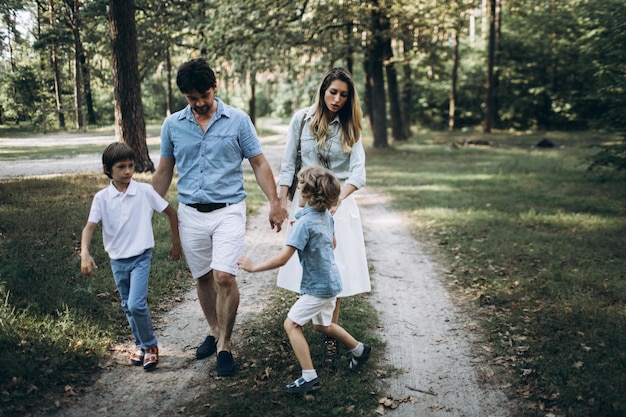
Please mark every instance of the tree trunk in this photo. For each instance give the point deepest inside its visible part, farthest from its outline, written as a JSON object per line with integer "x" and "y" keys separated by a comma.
{"x": 78, "y": 53}
{"x": 91, "y": 112}
{"x": 489, "y": 85}
{"x": 130, "y": 126}
{"x": 252, "y": 99}
{"x": 407, "y": 87}
{"x": 395, "y": 112}
{"x": 374, "y": 56}
{"x": 168, "y": 85}
{"x": 55, "y": 70}
{"x": 453, "y": 81}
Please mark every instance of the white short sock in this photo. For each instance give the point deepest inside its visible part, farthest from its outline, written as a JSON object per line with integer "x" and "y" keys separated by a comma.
{"x": 309, "y": 374}
{"x": 358, "y": 350}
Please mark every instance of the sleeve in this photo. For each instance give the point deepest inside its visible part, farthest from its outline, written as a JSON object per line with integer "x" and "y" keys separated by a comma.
{"x": 157, "y": 202}
{"x": 167, "y": 148}
{"x": 250, "y": 145}
{"x": 288, "y": 163}
{"x": 357, "y": 165}
{"x": 95, "y": 212}
{"x": 299, "y": 236}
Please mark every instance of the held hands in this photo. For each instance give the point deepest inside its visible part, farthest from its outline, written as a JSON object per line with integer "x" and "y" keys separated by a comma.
{"x": 278, "y": 214}
{"x": 245, "y": 263}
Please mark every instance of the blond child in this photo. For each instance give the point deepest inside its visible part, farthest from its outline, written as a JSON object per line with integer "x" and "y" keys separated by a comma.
{"x": 313, "y": 237}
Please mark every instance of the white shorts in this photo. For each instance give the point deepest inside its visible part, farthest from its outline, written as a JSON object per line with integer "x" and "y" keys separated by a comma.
{"x": 212, "y": 240}
{"x": 311, "y": 308}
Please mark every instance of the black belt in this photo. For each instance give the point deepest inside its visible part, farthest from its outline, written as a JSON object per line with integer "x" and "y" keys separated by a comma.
{"x": 208, "y": 207}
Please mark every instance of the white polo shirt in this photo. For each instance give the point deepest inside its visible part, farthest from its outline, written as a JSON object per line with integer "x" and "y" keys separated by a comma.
{"x": 126, "y": 218}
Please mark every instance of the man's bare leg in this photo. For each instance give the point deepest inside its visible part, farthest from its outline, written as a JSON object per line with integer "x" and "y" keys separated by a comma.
{"x": 207, "y": 293}
{"x": 226, "y": 305}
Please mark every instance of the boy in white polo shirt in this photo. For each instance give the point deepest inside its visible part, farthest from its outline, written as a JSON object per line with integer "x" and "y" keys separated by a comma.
{"x": 125, "y": 209}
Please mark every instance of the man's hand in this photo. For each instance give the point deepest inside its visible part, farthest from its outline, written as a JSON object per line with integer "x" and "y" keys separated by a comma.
{"x": 278, "y": 214}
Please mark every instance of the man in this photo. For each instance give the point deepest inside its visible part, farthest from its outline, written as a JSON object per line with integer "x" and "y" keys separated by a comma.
{"x": 207, "y": 142}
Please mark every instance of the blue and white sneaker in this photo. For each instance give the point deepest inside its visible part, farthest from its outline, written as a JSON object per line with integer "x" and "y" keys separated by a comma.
{"x": 300, "y": 385}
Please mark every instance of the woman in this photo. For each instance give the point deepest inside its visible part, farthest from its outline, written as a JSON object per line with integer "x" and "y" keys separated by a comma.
{"x": 329, "y": 133}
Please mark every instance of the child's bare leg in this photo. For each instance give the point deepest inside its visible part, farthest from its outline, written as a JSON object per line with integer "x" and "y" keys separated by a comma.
{"x": 338, "y": 333}
{"x": 298, "y": 343}
{"x": 360, "y": 351}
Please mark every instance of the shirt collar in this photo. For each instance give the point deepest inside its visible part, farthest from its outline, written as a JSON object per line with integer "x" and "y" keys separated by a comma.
{"x": 222, "y": 110}
{"x": 306, "y": 210}
{"x": 113, "y": 192}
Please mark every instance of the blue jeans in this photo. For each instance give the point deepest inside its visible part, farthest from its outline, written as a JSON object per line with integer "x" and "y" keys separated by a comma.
{"x": 131, "y": 278}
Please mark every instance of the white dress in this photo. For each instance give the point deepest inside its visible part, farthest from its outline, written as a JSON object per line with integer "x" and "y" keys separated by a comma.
{"x": 349, "y": 253}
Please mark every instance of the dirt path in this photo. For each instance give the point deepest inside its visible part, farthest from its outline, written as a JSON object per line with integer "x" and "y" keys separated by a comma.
{"x": 429, "y": 338}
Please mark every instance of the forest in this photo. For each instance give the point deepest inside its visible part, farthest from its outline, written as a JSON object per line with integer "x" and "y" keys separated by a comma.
{"x": 489, "y": 64}
{"x": 535, "y": 242}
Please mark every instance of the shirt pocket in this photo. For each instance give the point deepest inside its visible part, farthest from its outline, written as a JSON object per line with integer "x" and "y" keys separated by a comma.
{"x": 224, "y": 148}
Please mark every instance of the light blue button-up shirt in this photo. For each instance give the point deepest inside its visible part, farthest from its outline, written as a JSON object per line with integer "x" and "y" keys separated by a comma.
{"x": 209, "y": 164}
{"x": 346, "y": 166}
{"x": 312, "y": 235}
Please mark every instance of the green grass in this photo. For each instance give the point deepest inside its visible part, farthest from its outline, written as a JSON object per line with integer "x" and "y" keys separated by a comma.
{"x": 538, "y": 244}
{"x": 56, "y": 325}
{"x": 268, "y": 363}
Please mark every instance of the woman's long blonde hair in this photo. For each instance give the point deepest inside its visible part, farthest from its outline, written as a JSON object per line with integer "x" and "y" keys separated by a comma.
{"x": 350, "y": 114}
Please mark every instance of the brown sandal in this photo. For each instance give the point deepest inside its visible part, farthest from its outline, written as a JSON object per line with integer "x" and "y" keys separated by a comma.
{"x": 137, "y": 357}
{"x": 151, "y": 358}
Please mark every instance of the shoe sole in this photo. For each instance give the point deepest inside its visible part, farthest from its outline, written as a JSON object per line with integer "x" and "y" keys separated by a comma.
{"x": 303, "y": 391}
{"x": 150, "y": 368}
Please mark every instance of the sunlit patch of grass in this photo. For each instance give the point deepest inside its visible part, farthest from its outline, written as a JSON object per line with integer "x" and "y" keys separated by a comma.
{"x": 537, "y": 243}
{"x": 56, "y": 152}
{"x": 573, "y": 221}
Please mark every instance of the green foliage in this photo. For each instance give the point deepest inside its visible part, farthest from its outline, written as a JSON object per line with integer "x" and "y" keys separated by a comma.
{"x": 537, "y": 243}
{"x": 559, "y": 64}
{"x": 19, "y": 94}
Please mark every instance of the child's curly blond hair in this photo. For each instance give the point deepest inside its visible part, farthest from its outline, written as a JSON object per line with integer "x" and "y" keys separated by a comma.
{"x": 319, "y": 187}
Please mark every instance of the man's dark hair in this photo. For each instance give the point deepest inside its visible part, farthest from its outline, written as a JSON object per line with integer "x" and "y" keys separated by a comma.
{"x": 195, "y": 75}
{"x": 115, "y": 152}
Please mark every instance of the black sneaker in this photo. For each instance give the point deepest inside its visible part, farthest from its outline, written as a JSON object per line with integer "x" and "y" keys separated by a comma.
{"x": 225, "y": 364}
{"x": 300, "y": 385}
{"x": 207, "y": 348}
{"x": 358, "y": 361}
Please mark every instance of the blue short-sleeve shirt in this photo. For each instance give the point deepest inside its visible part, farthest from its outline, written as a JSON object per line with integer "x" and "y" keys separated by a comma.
{"x": 312, "y": 235}
{"x": 209, "y": 164}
